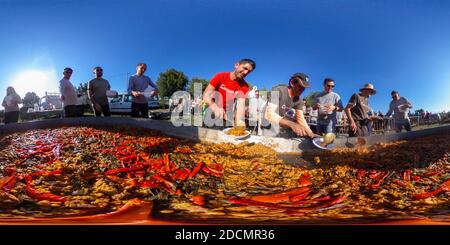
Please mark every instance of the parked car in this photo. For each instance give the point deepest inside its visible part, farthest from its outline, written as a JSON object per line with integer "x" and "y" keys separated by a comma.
{"x": 122, "y": 103}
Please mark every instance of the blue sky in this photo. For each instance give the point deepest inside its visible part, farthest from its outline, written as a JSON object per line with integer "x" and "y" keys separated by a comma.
{"x": 401, "y": 45}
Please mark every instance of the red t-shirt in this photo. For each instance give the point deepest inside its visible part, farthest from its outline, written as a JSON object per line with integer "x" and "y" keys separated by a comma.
{"x": 229, "y": 88}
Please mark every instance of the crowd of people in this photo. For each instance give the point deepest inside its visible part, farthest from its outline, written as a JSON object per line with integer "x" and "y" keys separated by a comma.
{"x": 286, "y": 114}
{"x": 226, "y": 96}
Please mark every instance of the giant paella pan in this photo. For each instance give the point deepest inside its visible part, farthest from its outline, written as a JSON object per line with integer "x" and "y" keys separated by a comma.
{"x": 74, "y": 173}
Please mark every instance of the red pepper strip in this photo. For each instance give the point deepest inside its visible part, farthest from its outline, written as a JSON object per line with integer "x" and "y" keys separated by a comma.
{"x": 299, "y": 197}
{"x": 129, "y": 182}
{"x": 407, "y": 176}
{"x": 149, "y": 184}
{"x": 374, "y": 174}
{"x": 324, "y": 198}
{"x": 38, "y": 195}
{"x": 400, "y": 183}
{"x": 198, "y": 200}
{"x": 379, "y": 181}
{"x": 5, "y": 180}
{"x": 47, "y": 173}
{"x": 166, "y": 158}
{"x": 444, "y": 187}
{"x": 304, "y": 181}
{"x": 361, "y": 173}
{"x": 140, "y": 174}
{"x": 195, "y": 170}
{"x": 181, "y": 174}
{"x": 212, "y": 172}
{"x": 429, "y": 174}
{"x": 415, "y": 178}
{"x": 333, "y": 202}
{"x": 33, "y": 193}
{"x": 167, "y": 183}
{"x": 215, "y": 166}
{"x": 122, "y": 170}
{"x": 279, "y": 197}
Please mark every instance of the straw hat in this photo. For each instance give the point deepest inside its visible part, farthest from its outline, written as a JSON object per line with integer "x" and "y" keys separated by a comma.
{"x": 368, "y": 86}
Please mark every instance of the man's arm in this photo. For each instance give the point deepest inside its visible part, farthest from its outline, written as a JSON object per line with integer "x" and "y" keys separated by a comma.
{"x": 350, "y": 117}
{"x": 153, "y": 85}
{"x": 339, "y": 106}
{"x": 301, "y": 129}
{"x": 62, "y": 89}
{"x": 91, "y": 92}
{"x": 208, "y": 98}
{"x": 391, "y": 109}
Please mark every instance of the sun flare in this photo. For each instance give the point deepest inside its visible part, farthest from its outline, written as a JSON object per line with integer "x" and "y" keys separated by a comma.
{"x": 38, "y": 81}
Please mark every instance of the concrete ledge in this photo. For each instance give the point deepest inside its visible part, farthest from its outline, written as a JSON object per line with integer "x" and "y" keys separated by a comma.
{"x": 211, "y": 135}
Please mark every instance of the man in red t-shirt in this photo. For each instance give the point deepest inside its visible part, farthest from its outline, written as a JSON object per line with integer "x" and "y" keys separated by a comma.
{"x": 232, "y": 88}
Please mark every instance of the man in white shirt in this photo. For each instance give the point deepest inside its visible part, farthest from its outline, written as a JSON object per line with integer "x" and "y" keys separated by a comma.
{"x": 256, "y": 106}
{"x": 399, "y": 106}
{"x": 68, "y": 94}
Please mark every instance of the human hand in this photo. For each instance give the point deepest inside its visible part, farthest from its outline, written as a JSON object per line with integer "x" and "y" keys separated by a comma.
{"x": 219, "y": 112}
{"x": 353, "y": 127}
{"x": 330, "y": 108}
{"x": 136, "y": 93}
{"x": 302, "y": 130}
{"x": 97, "y": 107}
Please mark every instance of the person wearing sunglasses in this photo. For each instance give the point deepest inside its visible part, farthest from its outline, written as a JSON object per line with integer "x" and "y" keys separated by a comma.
{"x": 68, "y": 94}
{"x": 327, "y": 103}
{"x": 399, "y": 106}
{"x": 283, "y": 115}
{"x": 97, "y": 88}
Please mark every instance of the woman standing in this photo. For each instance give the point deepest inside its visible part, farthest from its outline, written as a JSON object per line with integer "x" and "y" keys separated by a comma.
{"x": 11, "y": 103}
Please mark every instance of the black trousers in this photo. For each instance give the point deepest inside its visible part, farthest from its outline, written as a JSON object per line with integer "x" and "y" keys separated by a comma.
{"x": 139, "y": 110}
{"x": 105, "y": 110}
{"x": 362, "y": 129}
{"x": 70, "y": 111}
{"x": 11, "y": 117}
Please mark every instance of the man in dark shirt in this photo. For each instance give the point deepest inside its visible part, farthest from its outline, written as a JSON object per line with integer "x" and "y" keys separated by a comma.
{"x": 97, "y": 88}
{"x": 357, "y": 111}
{"x": 288, "y": 113}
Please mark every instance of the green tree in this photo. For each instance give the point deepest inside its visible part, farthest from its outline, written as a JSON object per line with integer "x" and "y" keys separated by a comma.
{"x": 30, "y": 99}
{"x": 311, "y": 97}
{"x": 203, "y": 81}
{"x": 82, "y": 88}
{"x": 171, "y": 81}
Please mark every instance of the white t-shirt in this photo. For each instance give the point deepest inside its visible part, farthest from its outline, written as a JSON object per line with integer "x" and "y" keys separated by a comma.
{"x": 68, "y": 91}
{"x": 11, "y": 102}
{"x": 255, "y": 107}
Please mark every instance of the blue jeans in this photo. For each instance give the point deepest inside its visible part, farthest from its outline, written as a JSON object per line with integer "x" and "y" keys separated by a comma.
{"x": 326, "y": 127}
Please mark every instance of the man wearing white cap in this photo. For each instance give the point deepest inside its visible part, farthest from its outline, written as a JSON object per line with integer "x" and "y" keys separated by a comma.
{"x": 357, "y": 111}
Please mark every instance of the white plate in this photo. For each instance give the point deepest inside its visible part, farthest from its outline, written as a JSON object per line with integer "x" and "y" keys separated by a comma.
{"x": 247, "y": 134}
{"x": 318, "y": 143}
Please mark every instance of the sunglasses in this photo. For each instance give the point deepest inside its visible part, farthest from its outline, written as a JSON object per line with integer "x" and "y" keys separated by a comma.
{"x": 99, "y": 70}
{"x": 330, "y": 86}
